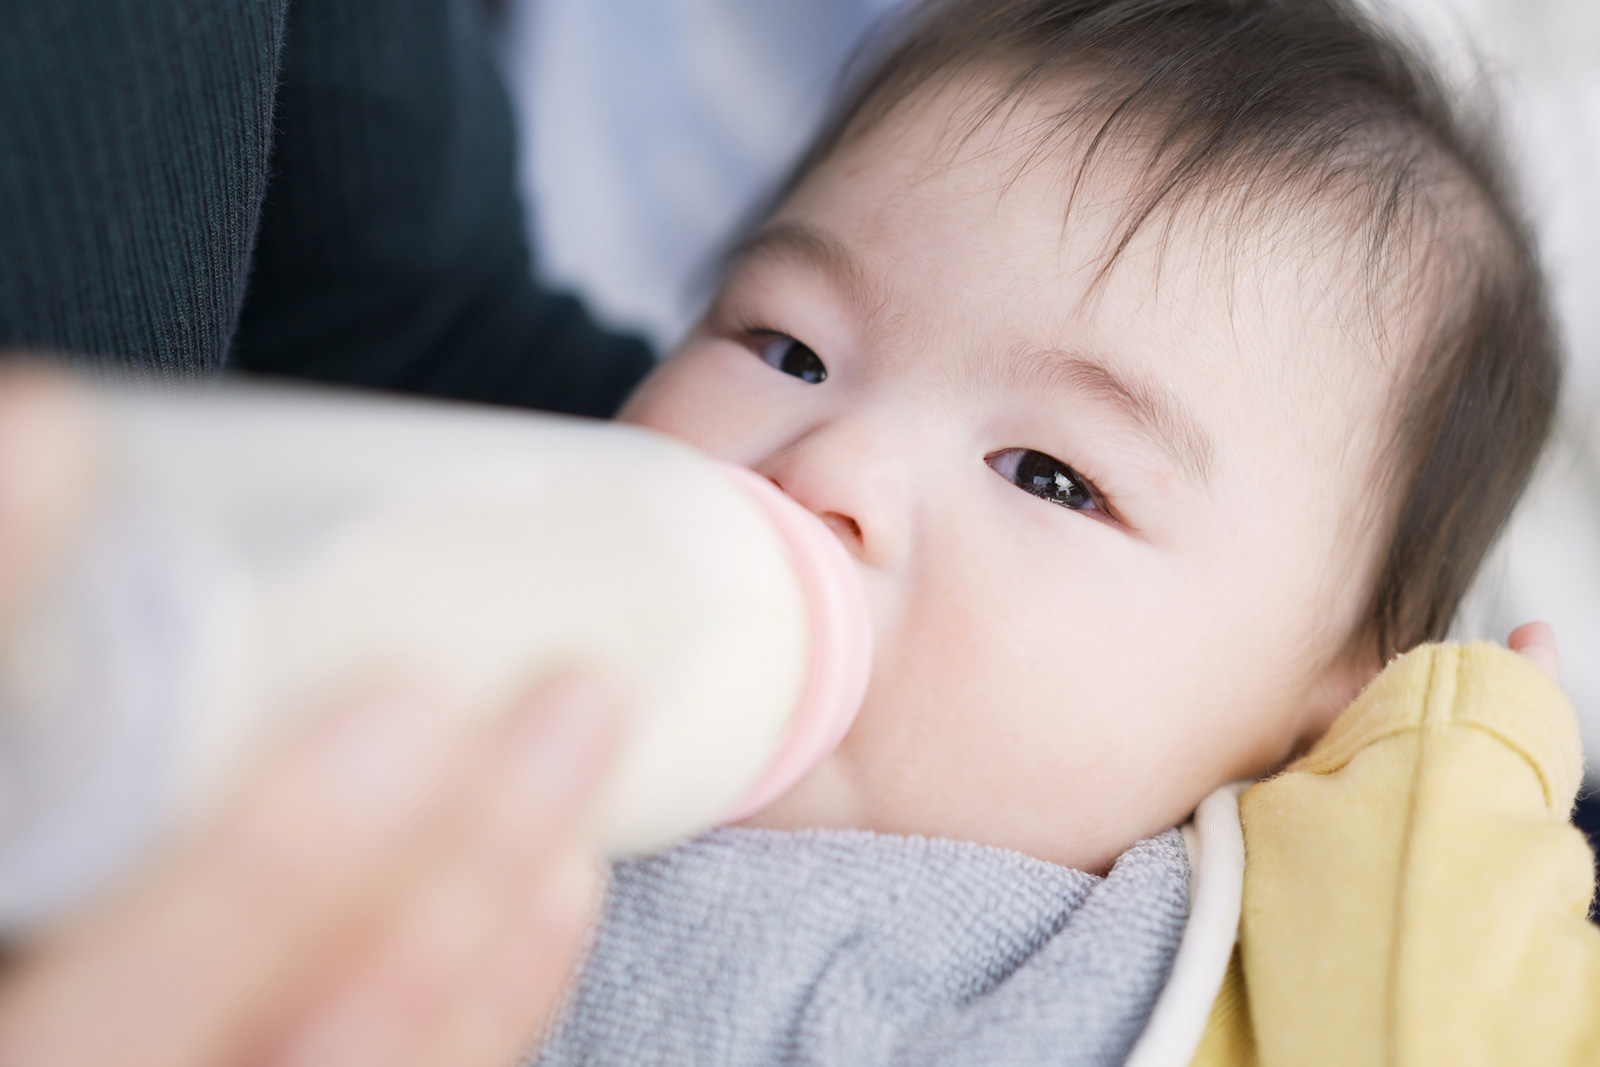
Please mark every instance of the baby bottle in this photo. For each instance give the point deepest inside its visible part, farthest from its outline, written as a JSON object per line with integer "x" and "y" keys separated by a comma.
{"x": 241, "y": 548}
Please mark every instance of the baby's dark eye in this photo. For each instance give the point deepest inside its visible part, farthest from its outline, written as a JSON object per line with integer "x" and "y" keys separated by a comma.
{"x": 1045, "y": 477}
{"x": 791, "y": 357}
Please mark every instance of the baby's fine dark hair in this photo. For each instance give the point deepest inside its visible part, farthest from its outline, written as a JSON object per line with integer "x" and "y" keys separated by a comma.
{"x": 1313, "y": 97}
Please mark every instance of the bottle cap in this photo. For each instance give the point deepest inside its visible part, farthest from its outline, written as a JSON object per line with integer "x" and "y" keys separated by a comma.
{"x": 840, "y": 656}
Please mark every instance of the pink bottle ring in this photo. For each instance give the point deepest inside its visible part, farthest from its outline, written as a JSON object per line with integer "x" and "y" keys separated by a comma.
{"x": 840, "y": 656}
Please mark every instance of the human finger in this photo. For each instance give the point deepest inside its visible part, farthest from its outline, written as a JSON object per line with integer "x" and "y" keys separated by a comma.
{"x": 476, "y": 958}
{"x": 1537, "y": 641}
{"x": 188, "y": 968}
{"x": 44, "y": 470}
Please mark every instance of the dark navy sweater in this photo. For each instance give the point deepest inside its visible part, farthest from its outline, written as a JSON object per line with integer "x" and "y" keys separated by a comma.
{"x": 314, "y": 188}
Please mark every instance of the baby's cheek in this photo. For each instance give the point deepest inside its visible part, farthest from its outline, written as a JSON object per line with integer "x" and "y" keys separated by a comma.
{"x": 1066, "y": 732}
{"x": 970, "y": 733}
{"x": 666, "y": 401}
{"x": 708, "y": 397}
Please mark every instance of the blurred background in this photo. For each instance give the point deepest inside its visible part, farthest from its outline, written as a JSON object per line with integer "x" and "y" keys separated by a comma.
{"x": 651, "y": 128}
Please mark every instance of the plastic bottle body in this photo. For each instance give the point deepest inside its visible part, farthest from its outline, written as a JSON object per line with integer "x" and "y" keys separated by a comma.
{"x": 246, "y": 549}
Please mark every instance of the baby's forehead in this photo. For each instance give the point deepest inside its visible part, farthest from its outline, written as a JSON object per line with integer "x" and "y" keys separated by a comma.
{"x": 1279, "y": 281}
{"x": 1352, "y": 231}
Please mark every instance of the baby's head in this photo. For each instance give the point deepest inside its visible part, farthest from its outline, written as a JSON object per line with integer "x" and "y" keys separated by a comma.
{"x": 1166, "y": 366}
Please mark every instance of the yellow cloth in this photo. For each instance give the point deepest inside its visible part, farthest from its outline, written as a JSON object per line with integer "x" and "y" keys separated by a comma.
{"x": 1413, "y": 892}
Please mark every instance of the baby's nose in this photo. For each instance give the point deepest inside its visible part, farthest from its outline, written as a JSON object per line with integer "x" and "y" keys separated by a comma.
{"x": 850, "y": 485}
{"x": 848, "y": 529}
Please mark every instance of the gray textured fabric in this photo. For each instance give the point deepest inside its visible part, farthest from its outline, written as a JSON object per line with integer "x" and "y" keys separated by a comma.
{"x": 752, "y": 947}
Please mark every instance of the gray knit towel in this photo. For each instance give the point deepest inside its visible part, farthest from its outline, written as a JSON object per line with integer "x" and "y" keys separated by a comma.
{"x": 756, "y": 948}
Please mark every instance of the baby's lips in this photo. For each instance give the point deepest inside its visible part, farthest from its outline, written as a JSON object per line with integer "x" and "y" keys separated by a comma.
{"x": 840, "y": 658}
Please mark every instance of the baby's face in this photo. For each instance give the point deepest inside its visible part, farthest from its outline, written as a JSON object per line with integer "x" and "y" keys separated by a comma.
{"x": 1113, "y": 546}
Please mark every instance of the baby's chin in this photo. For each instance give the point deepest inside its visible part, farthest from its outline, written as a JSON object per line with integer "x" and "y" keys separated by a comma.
{"x": 830, "y": 797}
{"x": 825, "y": 799}
{"x": 833, "y": 797}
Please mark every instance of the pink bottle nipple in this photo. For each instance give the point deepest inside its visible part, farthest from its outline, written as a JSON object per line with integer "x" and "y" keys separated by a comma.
{"x": 841, "y": 643}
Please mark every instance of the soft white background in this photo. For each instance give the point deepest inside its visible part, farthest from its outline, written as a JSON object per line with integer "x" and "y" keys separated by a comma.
{"x": 650, "y": 127}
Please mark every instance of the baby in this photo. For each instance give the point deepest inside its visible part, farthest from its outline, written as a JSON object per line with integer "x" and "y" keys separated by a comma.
{"x": 1166, "y": 366}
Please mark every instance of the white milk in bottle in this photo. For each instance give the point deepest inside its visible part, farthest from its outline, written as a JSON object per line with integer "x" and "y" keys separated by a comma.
{"x": 242, "y": 550}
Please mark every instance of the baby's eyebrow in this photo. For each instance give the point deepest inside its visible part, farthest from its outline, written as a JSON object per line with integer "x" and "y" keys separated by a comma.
{"x": 1173, "y": 428}
{"x": 816, "y": 247}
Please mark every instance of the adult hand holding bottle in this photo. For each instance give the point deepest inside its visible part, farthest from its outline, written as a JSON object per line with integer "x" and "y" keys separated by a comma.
{"x": 396, "y": 885}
